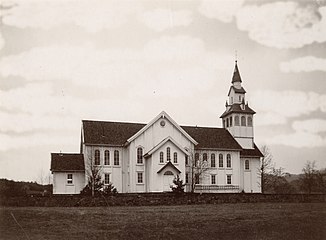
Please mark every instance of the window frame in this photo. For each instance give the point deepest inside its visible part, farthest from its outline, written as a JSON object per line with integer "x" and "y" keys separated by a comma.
{"x": 205, "y": 157}
{"x": 236, "y": 120}
{"x": 140, "y": 178}
{"x": 228, "y": 161}
{"x": 213, "y": 179}
{"x": 213, "y": 160}
{"x": 220, "y": 160}
{"x": 70, "y": 179}
{"x": 97, "y": 157}
{"x": 175, "y": 157}
{"x": 116, "y": 159}
{"x": 106, "y": 177}
{"x": 243, "y": 121}
{"x": 140, "y": 159}
{"x": 247, "y": 165}
{"x": 168, "y": 154}
{"x": 249, "y": 121}
{"x": 161, "y": 157}
{"x": 106, "y": 157}
{"x": 228, "y": 179}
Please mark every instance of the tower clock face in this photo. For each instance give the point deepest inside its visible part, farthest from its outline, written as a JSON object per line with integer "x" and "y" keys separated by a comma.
{"x": 162, "y": 123}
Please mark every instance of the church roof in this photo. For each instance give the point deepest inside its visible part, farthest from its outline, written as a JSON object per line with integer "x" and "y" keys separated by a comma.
{"x": 213, "y": 138}
{"x": 169, "y": 164}
{"x": 237, "y": 90}
{"x": 236, "y": 74}
{"x": 236, "y": 108}
{"x": 117, "y": 134}
{"x": 61, "y": 162}
{"x": 251, "y": 152}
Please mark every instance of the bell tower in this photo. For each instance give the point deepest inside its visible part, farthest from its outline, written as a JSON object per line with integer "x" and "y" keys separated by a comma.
{"x": 238, "y": 116}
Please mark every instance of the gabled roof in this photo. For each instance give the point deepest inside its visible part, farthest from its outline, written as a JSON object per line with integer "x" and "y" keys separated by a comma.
{"x": 109, "y": 133}
{"x": 236, "y": 74}
{"x": 236, "y": 108}
{"x": 212, "y": 138}
{"x": 237, "y": 90}
{"x": 61, "y": 162}
{"x": 160, "y": 144}
{"x": 162, "y": 115}
{"x": 169, "y": 164}
{"x": 255, "y": 152}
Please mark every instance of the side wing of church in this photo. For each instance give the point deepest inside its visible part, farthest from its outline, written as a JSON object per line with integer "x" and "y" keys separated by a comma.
{"x": 147, "y": 157}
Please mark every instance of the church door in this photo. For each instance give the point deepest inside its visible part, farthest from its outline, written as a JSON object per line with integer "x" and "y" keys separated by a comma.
{"x": 167, "y": 181}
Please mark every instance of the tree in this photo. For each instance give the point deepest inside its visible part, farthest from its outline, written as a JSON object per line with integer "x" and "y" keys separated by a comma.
{"x": 266, "y": 167}
{"x": 178, "y": 186}
{"x": 277, "y": 182}
{"x": 198, "y": 166}
{"x": 308, "y": 180}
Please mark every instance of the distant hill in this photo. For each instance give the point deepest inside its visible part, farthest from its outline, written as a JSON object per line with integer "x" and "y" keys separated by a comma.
{"x": 13, "y": 188}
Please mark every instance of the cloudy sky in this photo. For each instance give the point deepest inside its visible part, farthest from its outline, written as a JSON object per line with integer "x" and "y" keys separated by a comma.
{"x": 64, "y": 61}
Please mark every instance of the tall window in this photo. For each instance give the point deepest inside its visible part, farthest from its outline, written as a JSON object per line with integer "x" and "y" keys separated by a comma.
{"x": 69, "y": 178}
{"x": 213, "y": 164}
{"x": 213, "y": 179}
{"x": 139, "y": 155}
{"x": 249, "y": 121}
{"x": 186, "y": 160}
{"x": 230, "y": 121}
{"x": 247, "y": 165}
{"x": 236, "y": 120}
{"x": 224, "y": 124}
{"x": 161, "y": 157}
{"x": 168, "y": 154}
{"x": 243, "y": 121}
{"x": 228, "y": 161}
{"x": 187, "y": 178}
{"x": 239, "y": 98}
{"x": 107, "y": 157}
{"x": 116, "y": 157}
{"x": 175, "y": 157}
{"x": 139, "y": 177}
{"x": 196, "y": 178}
{"x": 205, "y": 157}
{"x": 107, "y": 178}
{"x": 196, "y": 158}
{"x": 97, "y": 157}
{"x": 220, "y": 160}
{"x": 227, "y": 122}
{"x": 228, "y": 179}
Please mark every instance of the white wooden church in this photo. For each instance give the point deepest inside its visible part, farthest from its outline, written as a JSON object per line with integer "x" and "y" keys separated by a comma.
{"x": 138, "y": 157}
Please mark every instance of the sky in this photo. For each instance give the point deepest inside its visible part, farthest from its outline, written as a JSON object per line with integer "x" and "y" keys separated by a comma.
{"x": 64, "y": 61}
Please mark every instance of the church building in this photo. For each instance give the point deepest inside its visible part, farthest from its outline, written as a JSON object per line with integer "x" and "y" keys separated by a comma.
{"x": 138, "y": 157}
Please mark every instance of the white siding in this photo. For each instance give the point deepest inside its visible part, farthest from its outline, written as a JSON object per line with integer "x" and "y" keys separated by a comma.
{"x": 60, "y": 185}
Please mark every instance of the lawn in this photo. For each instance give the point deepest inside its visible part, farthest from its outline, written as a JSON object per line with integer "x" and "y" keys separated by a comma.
{"x": 223, "y": 221}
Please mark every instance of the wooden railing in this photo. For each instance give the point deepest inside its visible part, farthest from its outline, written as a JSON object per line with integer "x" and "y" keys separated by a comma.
{"x": 214, "y": 188}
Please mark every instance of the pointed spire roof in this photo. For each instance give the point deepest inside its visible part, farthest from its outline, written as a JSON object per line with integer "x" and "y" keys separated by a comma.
{"x": 236, "y": 74}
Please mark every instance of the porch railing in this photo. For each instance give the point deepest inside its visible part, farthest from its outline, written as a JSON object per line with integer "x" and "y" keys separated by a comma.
{"x": 215, "y": 188}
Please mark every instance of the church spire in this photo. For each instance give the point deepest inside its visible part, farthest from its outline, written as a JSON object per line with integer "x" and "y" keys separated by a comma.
{"x": 236, "y": 74}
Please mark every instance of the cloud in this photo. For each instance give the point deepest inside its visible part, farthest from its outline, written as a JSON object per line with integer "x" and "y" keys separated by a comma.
{"x": 312, "y": 126}
{"x": 162, "y": 19}
{"x": 287, "y": 104}
{"x": 283, "y": 24}
{"x": 269, "y": 118}
{"x": 92, "y": 16}
{"x": 160, "y": 64}
{"x": 221, "y": 10}
{"x": 304, "y": 64}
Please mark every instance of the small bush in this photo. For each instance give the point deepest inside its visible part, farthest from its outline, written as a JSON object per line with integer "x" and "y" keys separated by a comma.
{"x": 178, "y": 186}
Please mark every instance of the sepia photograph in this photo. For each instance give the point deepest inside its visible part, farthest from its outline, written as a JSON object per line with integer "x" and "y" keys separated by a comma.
{"x": 162, "y": 119}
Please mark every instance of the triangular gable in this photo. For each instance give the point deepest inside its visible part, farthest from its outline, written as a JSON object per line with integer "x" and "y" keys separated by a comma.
{"x": 154, "y": 149}
{"x": 162, "y": 115}
{"x": 169, "y": 164}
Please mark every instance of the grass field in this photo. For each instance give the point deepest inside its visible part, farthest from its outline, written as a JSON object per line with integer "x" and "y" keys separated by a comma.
{"x": 223, "y": 221}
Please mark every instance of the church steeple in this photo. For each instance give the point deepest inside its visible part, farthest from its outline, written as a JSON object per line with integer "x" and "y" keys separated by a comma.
{"x": 236, "y": 74}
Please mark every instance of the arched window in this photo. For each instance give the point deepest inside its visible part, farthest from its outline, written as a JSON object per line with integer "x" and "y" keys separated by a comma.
{"x": 139, "y": 155}
{"x": 247, "y": 165}
{"x": 213, "y": 164}
{"x": 249, "y": 121}
{"x": 168, "y": 154}
{"x": 236, "y": 120}
{"x": 243, "y": 121}
{"x": 186, "y": 160}
{"x": 196, "y": 159}
{"x": 116, "y": 157}
{"x": 205, "y": 157}
{"x": 227, "y": 122}
{"x": 230, "y": 121}
{"x": 169, "y": 173}
{"x": 107, "y": 157}
{"x": 97, "y": 157}
{"x": 161, "y": 157}
{"x": 224, "y": 124}
{"x": 239, "y": 98}
{"x": 175, "y": 157}
{"x": 220, "y": 160}
{"x": 228, "y": 160}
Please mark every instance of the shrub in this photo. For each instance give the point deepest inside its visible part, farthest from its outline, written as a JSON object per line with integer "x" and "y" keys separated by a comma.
{"x": 178, "y": 186}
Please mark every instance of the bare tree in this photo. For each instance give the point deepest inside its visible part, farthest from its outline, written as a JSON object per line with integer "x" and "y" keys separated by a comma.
{"x": 309, "y": 176}
{"x": 198, "y": 166}
{"x": 266, "y": 167}
{"x": 94, "y": 177}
